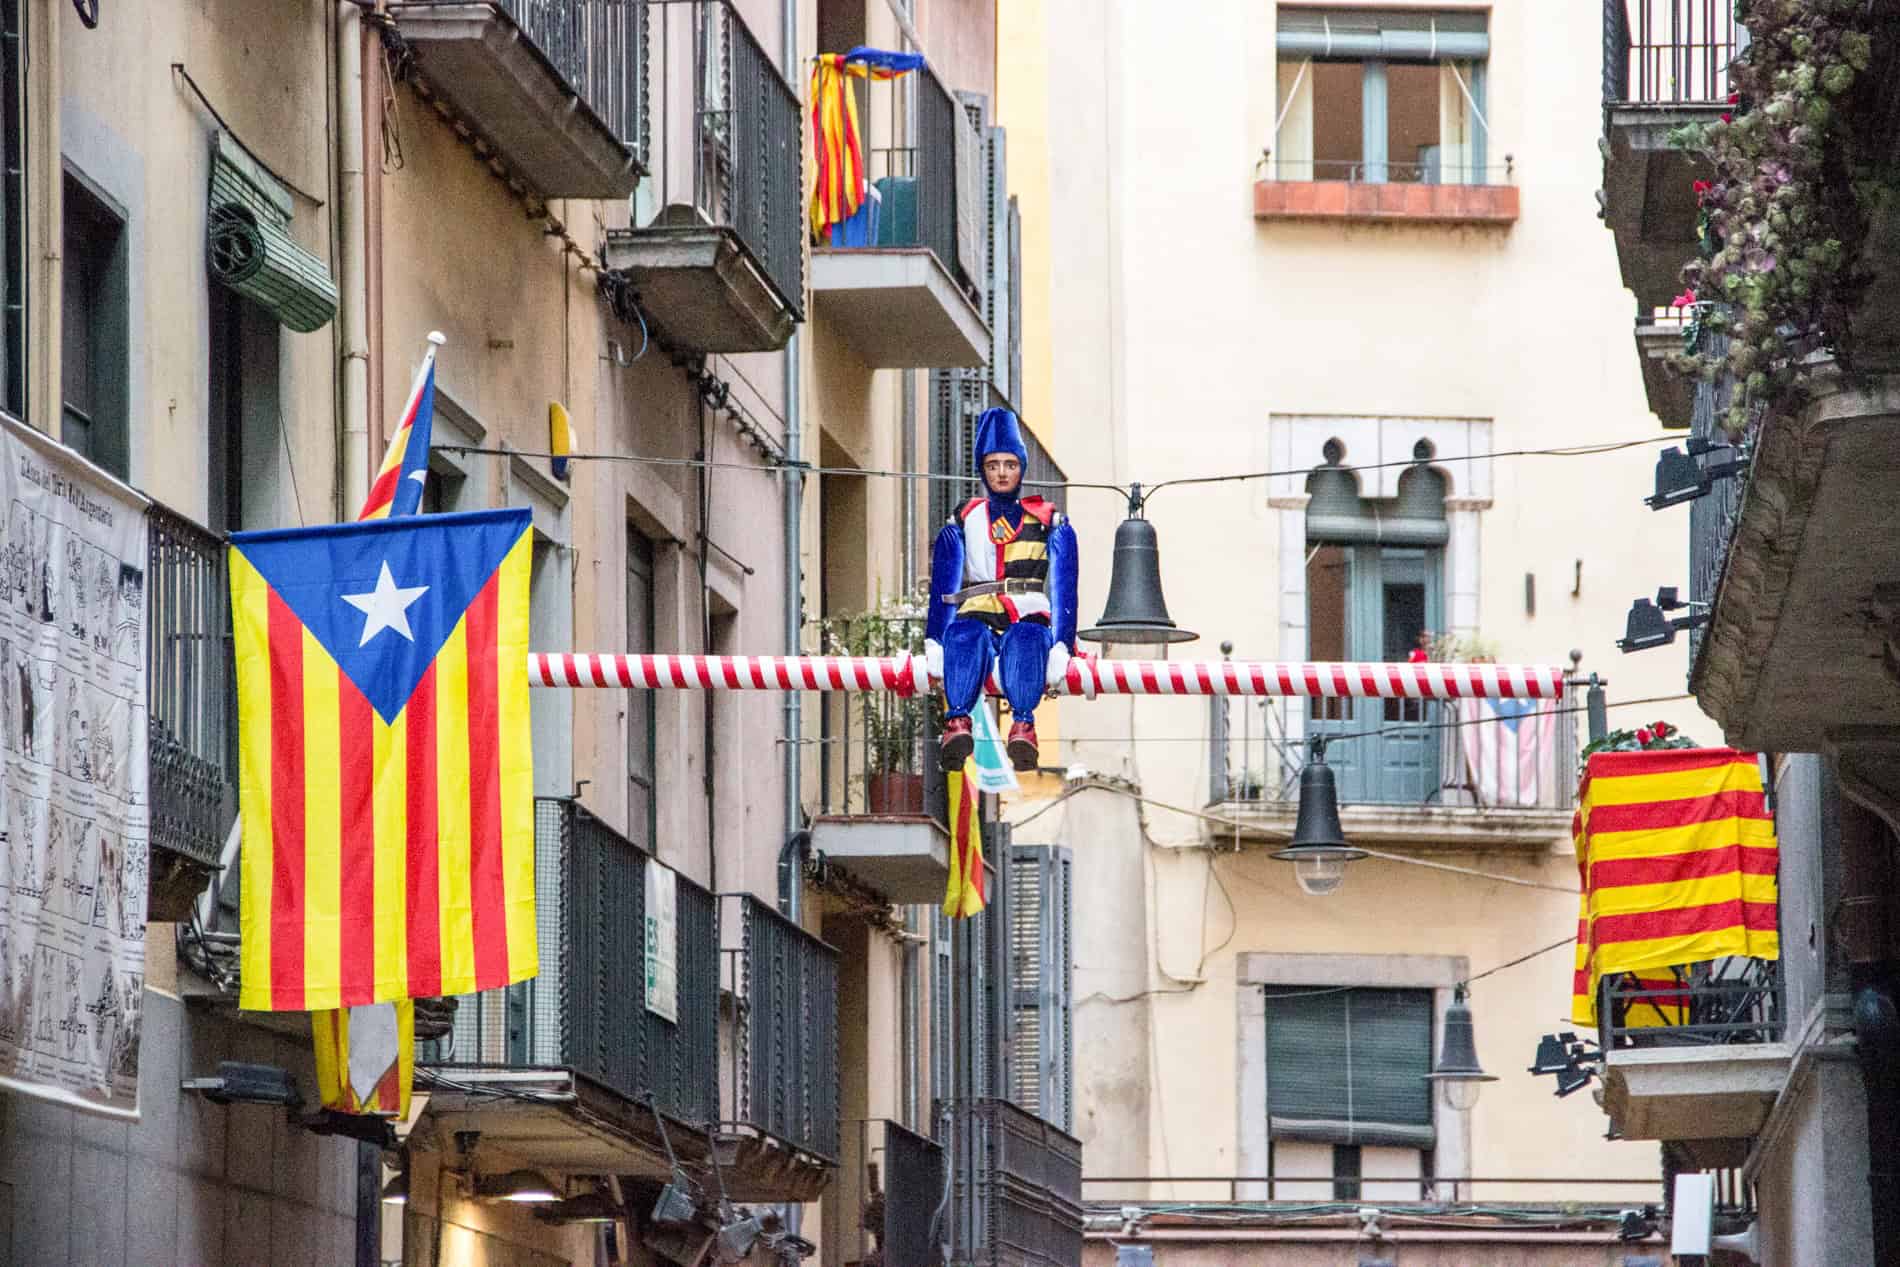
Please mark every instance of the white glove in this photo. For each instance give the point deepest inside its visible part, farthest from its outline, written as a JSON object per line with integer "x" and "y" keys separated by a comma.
{"x": 933, "y": 660}
{"x": 1058, "y": 665}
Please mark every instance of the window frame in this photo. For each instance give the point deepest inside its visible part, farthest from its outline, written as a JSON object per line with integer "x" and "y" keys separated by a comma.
{"x": 642, "y": 551}
{"x": 95, "y": 254}
{"x": 1255, "y": 970}
{"x": 1374, "y": 164}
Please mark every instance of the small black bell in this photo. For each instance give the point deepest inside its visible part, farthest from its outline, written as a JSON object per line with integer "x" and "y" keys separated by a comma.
{"x": 1458, "y": 1071}
{"x": 1318, "y": 851}
{"x": 1136, "y": 612}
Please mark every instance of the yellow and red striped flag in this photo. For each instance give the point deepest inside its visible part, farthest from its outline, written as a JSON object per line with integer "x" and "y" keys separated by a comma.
{"x": 1676, "y": 852}
{"x": 837, "y": 189}
{"x": 342, "y": 1082}
{"x": 385, "y": 770}
{"x": 964, "y": 896}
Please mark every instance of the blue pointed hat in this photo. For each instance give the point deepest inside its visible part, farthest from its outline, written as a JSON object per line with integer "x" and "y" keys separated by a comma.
{"x": 998, "y": 432}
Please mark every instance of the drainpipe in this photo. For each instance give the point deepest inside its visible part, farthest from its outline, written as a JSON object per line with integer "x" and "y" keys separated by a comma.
{"x": 372, "y": 151}
{"x": 352, "y": 324}
{"x": 790, "y": 880}
{"x": 1877, "y": 1043}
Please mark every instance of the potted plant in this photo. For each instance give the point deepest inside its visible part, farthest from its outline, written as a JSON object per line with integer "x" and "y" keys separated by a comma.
{"x": 894, "y": 729}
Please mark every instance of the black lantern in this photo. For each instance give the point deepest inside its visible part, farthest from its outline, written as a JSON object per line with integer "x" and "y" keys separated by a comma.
{"x": 1458, "y": 1074}
{"x": 1135, "y": 624}
{"x": 1318, "y": 851}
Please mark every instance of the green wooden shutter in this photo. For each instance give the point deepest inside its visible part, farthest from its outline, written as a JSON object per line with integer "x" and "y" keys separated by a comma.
{"x": 1348, "y": 1066}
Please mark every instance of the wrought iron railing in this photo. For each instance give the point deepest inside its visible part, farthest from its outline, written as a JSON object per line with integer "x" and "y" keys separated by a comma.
{"x": 189, "y": 687}
{"x": 1358, "y": 171}
{"x": 600, "y": 48}
{"x": 784, "y": 1053}
{"x": 745, "y": 140}
{"x": 1733, "y": 1000}
{"x": 935, "y": 169}
{"x": 1480, "y": 754}
{"x": 878, "y": 753}
{"x": 900, "y": 1187}
{"x": 1668, "y": 52}
{"x": 1713, "y": 516}
{"x": 604, "y": 1004}
{"x": 1422, "y": 1193}
{"x": 1017, "y": 1188}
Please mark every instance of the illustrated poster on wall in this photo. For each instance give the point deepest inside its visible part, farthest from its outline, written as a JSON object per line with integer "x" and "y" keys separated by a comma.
{"x": 74, "y": 808}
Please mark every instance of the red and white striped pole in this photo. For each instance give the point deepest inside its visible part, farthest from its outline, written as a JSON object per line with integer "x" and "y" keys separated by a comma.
{"x": 904, "y": 675}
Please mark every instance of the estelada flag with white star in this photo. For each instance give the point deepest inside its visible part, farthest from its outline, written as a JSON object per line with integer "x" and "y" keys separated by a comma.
{"x": 385, "y": 775}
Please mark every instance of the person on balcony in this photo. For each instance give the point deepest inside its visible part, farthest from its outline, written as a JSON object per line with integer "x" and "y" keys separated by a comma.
{"x": 1002, "y": 594}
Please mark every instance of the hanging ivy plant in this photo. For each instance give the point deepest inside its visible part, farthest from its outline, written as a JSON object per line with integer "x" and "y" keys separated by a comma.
{"x": 1783, "y": 219}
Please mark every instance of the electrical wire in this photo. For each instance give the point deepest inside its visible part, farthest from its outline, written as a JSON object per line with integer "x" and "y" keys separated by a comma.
{"x": 1121, "y": 490}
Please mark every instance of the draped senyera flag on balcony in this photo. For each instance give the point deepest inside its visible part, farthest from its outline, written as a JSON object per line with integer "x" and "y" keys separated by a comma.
{"x": 837, "y": 138}
{"x": 385, "y": 776}
{"x": 1676, "y": 852}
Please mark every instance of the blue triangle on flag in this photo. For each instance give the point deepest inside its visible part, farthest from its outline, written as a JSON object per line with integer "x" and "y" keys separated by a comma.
{"x": 383, "y": 595}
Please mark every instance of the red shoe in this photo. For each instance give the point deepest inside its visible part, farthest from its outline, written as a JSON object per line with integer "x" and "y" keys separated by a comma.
{"x": 1023, "y": 752}
{"x": 958, "y": 743}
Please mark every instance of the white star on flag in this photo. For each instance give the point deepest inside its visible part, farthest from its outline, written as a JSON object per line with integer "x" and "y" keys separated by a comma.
{"x": 386, "y": 606}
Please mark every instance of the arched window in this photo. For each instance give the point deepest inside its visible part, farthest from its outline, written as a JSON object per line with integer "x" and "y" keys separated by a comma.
{"x": 1374, "y": 592}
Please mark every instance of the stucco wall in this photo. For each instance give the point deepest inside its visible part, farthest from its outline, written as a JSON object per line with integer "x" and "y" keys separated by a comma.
{"x": 1186, "y": 328}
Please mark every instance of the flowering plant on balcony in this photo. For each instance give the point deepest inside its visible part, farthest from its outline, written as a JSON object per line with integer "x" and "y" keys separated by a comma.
{"x": 892, "y": 726}
{"x": 1657, "y": 734}
{"x": 1781, "y": 222}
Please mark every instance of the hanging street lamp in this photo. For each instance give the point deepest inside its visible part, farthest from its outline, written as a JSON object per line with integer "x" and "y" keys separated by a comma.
{"x": 1135, "y": 624}
{"x": 1458, "y": 1074}
{"x": 1318, "y": 851}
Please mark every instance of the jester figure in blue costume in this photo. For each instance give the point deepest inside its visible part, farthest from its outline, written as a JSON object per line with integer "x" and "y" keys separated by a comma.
{"x": 1002, "y": 595}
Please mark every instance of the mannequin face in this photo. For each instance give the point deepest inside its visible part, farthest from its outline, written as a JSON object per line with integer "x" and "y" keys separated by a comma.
{"x": 1002, "y": 473}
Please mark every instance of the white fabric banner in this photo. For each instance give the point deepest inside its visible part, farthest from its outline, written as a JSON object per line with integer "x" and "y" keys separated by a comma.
{"x": 74, "y": 807}
{"x": 663, "y": 941}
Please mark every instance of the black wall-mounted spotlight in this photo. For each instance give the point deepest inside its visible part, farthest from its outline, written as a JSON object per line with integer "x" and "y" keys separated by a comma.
{"x": 239, "y": 1083}
{"x": 1648, "y": 627}
{"x": 1680, "y": 477}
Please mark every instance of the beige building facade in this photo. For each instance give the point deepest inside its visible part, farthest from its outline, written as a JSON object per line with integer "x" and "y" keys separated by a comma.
{"x": 1271, "y": 248}
{"x": 601, "y": 206}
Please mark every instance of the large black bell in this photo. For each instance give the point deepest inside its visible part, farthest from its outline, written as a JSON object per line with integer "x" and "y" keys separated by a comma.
{"x": 1458, "y": 1072}
{"x": 1136, "y": 613}
{"x": 1318, "y": 851}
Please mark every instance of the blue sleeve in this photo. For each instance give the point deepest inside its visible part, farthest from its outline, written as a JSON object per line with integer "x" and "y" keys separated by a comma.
{"x": 946, "y": 578}
{"x": 1061, "y": 583}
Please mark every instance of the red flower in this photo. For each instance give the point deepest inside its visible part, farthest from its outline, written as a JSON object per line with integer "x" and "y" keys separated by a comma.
{"x": 1728, "y": 118}
{"x": 1734, "y": 97}
{"x": 1662, "y": 728}
{"x": 1685, "y": 300}
{"x": 1643, "y": 736}
{"x": 1702, "y": 189}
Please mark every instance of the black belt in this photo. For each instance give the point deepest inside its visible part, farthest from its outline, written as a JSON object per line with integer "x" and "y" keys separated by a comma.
{"x": 1009, "y": 585}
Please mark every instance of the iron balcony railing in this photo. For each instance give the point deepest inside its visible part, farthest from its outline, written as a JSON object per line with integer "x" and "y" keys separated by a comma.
{"x": 783, "y": 1074}
{"x": 1479, "y": 754}
{"x": 600, "y": 48}
{"x": 1668, "y": 52}
{"x": 1712, "y": 517}
{"x": 877, "y": 752}
{"x": 1726, "y": 1001}
{"x": 1017, "y": 1188}
{"x": 744, "y": 141}
{"x": 1424, "y": 1193}
{"x": 1358, "y": 171}
{"x": 189, "y": 688}
{"x": 599, "y": 1006}
{"x": 898, "y": 1192}
{"x": 921, "y": 183}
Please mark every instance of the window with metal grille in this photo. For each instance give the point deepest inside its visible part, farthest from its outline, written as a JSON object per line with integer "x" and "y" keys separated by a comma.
{"x": 1366, "y": 95}
{"x": 1348, "y": 1066}
{"x": 94, "y": 347}
{"x": 13, "y": 208}
{"x": 1042, "y": 1060}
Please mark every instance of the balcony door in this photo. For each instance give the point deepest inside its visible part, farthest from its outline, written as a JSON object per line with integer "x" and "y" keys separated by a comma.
{"x": 1374, "y": 586}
